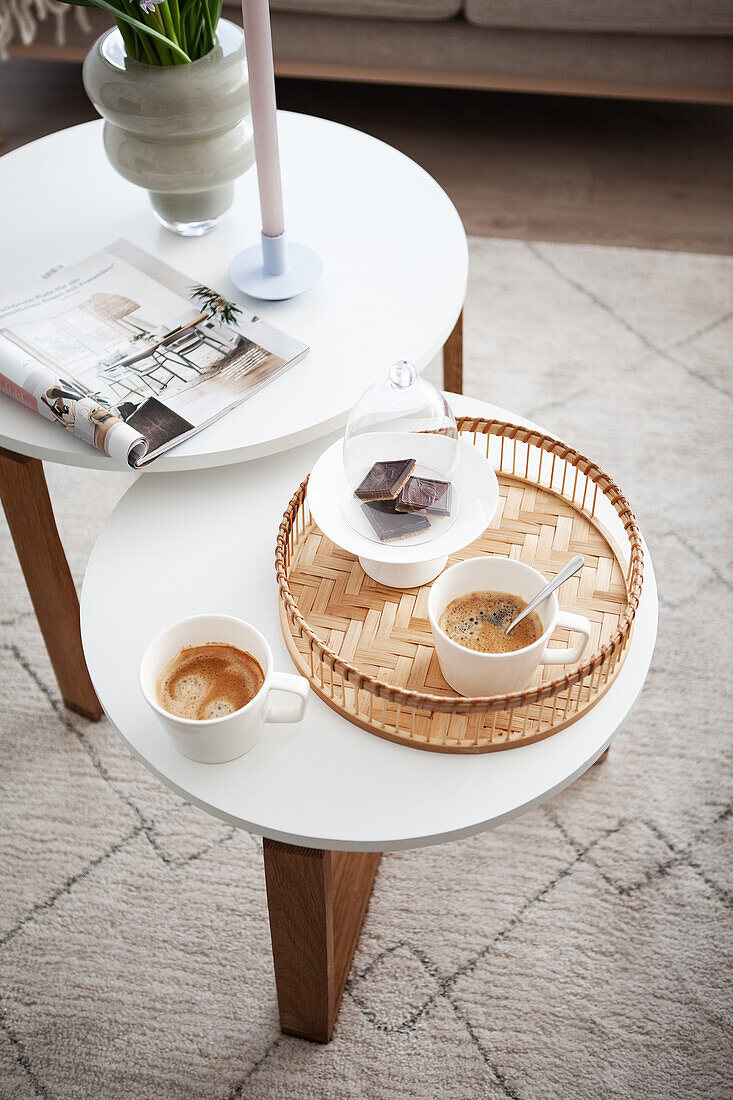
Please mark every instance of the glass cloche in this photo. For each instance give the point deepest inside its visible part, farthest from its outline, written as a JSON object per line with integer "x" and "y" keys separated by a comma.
{"x": 401, "y": 456}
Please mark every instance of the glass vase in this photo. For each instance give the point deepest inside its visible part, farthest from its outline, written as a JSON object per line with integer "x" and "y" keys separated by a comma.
{"x": 183, "y": 132}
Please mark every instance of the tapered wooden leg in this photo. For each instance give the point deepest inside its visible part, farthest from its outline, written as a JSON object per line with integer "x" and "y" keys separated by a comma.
{"x": 317, "y": 900}
{"x": 603, "y": 756}
{"x": 30, "y": 517}
{"x": 453, "y": 359}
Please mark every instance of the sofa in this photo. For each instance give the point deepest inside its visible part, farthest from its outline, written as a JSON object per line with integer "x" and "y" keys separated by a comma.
{"x": 653, "y": 49}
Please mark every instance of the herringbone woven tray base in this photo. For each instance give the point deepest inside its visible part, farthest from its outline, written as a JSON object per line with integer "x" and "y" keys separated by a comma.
{"x": 355, "y": 625}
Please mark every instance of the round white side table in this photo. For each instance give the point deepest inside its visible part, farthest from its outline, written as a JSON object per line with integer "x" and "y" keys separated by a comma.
{"x": 326, "y": 795}
{"x": 395, "y": 268}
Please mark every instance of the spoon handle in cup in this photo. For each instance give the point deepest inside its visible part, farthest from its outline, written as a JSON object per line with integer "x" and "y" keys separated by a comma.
{"x": 568, "y": 570}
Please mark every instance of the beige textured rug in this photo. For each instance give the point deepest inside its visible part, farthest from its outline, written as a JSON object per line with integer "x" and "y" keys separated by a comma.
{"x": 583, "y": 951}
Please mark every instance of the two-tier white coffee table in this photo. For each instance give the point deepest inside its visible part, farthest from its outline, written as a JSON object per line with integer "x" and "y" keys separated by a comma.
{"x": 395, "y": 268}
{"x": 327, "y": 796}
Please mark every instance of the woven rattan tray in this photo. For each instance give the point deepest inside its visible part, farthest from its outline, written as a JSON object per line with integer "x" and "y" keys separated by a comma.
{"x": 367, "y": 650}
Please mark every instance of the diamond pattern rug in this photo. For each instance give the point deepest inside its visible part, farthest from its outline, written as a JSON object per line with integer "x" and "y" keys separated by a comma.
{"x": 583, "y": 951}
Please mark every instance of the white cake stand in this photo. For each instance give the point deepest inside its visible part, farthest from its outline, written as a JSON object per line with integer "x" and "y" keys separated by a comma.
{"x": 412, "y": 561}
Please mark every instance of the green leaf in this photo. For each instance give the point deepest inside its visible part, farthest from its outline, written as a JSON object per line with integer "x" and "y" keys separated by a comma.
{"x": 118, "y": 13}
{"x": 176, "y": 17}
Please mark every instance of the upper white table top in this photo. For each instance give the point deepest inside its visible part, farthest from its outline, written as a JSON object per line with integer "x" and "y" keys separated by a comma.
{"x": 395, "y": 265}
{"x": 205, "y": 542}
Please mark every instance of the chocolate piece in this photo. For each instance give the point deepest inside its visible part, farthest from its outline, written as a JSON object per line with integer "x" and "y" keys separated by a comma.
{"x": 425, "y": 496}
{"x": 389, "y": 506}
{"x": 385, "y": 479}
{"x": 392, "y": 526}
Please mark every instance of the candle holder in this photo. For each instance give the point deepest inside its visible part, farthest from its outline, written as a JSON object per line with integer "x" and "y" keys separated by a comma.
{"x": 275, "y": 269}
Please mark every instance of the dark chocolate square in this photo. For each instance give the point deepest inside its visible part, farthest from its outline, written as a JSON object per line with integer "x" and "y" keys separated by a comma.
{"x": 385, "y": 479}
{"x": 389, "y": 506}
{"x": 392, "y": 526}
{"x": 425, "y": 496}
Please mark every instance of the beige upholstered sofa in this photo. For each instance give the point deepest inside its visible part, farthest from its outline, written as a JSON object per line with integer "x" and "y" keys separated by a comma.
{"x": 658, "y": 49}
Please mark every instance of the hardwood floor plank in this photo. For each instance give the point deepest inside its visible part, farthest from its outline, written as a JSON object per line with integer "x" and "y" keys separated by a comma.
{"x": 651, "y": 175}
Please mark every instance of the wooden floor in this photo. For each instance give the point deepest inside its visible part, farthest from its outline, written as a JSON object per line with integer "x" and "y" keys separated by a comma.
{"x": 536, "y": 167}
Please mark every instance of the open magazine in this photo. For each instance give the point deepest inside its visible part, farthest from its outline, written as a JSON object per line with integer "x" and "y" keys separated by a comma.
{"x": 131, "y": 356}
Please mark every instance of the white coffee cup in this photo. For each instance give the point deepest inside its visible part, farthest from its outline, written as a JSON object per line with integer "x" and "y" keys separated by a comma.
{"x": 472, "y": 673}
{"x": 215, "y": 740}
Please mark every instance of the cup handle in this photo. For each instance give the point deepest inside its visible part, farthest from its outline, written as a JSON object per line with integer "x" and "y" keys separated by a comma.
{"x": 294, "y": 685}
{"x": 572, "y": 655}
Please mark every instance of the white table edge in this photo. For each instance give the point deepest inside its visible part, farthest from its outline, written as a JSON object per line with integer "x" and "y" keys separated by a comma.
{"x": 88, "y": 457}
{"x": 170, "y": 463}
{"x": 647, "y": 607}
{"x": 382, "y": 845}
{"x": 646, "y": 616}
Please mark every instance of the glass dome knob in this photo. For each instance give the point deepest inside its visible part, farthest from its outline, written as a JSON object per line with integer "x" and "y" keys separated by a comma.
{"x": 402, "y": 374}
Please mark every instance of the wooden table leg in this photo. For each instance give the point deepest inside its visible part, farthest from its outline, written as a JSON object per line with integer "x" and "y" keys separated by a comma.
{"x": 602, "y": 757}
{"x": 30, "y": 517}
{"x": 317, "y": 900}
{"x": 453, "y": 359}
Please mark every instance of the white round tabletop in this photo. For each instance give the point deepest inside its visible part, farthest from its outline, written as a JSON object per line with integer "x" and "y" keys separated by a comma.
{"x": 395, "y": 265}
{"x": 180, "y": 546}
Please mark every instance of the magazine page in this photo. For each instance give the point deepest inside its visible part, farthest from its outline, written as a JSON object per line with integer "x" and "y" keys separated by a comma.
{"x": 61, "y": 398}
{"x": 132, "y": 356}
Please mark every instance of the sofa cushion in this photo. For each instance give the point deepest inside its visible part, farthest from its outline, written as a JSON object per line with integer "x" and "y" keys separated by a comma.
{"x": 623, "y": 16}
{"x": 424, "y": 11}
{"x": 522, "y": 59}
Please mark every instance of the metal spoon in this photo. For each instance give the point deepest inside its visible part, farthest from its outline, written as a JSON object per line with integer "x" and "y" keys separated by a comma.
{"x": 569, "y": 570}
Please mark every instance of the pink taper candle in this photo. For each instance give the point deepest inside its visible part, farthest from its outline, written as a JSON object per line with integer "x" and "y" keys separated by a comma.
{"x": 258, "y": 41}
{"x": 274, "y": 269}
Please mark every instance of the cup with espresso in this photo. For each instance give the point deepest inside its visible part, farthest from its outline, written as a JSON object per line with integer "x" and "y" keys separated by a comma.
{"x": 209, "y": 680}
{"x": 470, "y": 606}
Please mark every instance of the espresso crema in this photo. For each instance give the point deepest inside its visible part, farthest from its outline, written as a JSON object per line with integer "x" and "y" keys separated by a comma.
{"x": 478, "y": 620}
{"x": 208, "y": 681}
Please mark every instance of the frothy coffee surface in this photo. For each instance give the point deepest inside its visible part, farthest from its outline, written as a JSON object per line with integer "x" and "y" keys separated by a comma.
{"x": 479, "y": 620}
{"x": 208, "y": 681}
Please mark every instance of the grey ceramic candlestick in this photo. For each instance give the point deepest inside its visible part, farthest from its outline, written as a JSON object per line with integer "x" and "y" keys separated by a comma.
{"x": 183, "y": 132}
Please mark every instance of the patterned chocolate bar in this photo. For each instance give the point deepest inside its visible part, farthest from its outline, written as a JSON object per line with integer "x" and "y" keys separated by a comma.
{"x": 385, "y": 479}
{"x": 392, "y": 526}
{"x": 425, "y": 496}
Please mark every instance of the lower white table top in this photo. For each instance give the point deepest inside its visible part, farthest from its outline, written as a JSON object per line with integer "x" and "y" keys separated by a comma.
{"x": 395, "y": 265}
{"x": 182, "y": 545}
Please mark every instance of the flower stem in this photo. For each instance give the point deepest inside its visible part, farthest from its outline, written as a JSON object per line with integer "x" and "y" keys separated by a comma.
{"x": 176, "y": 17}
{"x": 147, "y": 51}
{"x": 209, "y": 28}
{"x": 169, "y": 27}
{"x": 144, "y": 25}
